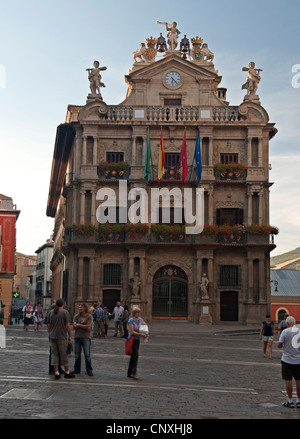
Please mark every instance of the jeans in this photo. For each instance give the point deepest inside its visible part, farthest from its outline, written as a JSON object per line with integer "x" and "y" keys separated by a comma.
{"x": 132, "y": 367}
{"x": 85, "y": 344}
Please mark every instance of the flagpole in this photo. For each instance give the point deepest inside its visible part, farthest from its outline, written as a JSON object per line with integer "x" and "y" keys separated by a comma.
{"x": 193, "y": 157}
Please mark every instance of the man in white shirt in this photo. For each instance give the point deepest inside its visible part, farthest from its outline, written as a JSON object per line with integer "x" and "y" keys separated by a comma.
{"x": 290, "y": 361}
{"x": 118, "y": 314}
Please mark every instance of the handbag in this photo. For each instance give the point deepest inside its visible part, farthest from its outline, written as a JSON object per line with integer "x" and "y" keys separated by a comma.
{"x": 129, "y": 342}
{"x": 129, "y": 345}
{"x": 69, "y": 348}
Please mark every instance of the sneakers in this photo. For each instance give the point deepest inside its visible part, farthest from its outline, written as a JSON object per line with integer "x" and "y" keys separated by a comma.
{"x": 289, "y": 404}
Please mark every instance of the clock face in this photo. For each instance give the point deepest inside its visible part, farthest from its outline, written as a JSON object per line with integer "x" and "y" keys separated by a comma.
{"x": 173, "y": 79}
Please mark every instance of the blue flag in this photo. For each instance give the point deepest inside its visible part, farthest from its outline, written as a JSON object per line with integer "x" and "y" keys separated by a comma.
{"x": 197, "y": 158}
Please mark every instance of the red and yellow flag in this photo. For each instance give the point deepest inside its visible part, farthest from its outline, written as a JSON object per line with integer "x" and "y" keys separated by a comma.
{"x": 161, "y": 158}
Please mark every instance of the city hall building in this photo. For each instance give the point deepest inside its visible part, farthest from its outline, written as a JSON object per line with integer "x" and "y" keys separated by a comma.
{"x": 176, "y": 133}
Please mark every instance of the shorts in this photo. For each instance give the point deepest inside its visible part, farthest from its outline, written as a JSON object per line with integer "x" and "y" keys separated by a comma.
{"x": 267, "y": 337}
{"x": 59, "y": 354}
{"x": 289, "y": 371}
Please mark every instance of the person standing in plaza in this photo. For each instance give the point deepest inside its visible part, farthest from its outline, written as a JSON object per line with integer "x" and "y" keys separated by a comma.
{"x": 82, "y": 325}
{"x": 267, "y": 332}
{"x": 99, "y": 319}
{"x": 27, "y": 315}
{"x": 107, "y": 318}
{"x": 134, "y": 324}
{"x": 118, "y": 317}
{"x": 282, "y": 324}
{"x": 125, "y": 321}
{"x": 289, "y": 341}
{"x": 38, "y": 316}
{"x": 59, "y": 330}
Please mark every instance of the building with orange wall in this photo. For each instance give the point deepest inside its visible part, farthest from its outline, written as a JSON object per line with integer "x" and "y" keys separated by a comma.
{"x": 285, "y": 293}
{"x": 8, "y": 218}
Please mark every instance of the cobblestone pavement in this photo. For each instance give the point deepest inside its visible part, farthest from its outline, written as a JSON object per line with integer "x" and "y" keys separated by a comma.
{"x": 187, "y": 372}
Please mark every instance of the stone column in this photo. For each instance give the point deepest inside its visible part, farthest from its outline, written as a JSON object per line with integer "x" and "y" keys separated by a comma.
{"x": 133, "y": 151}
{"x": 260, "y": 151}
{"x": 210, "y": 204}
{"x": 80, "y": 280}
{"x": 93, "y": 207}
{"x": 250, "y": 280}
{"x": 249, "y": 150}
{"x": 82, "y": 206}
{"x": 92, "y": 279}
{"x": 95, "y": 151}
{"x": 210, "y": 151}
{"x": 260, "y": 207}
{"x": 84, "y": 151}
{"x": 262, "y": 271}
{"x": 250, "y": 213}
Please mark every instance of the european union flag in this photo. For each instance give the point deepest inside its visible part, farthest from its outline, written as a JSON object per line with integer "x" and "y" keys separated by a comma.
{"x": 197, "y": 158}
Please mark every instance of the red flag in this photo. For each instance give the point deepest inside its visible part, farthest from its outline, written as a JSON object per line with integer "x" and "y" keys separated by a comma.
{"x": 161, "y": 158}
{"x": 183, "y": 159}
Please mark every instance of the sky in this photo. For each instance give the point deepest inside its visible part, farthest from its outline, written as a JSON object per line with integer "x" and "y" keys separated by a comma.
{"x": 46, "y": 47}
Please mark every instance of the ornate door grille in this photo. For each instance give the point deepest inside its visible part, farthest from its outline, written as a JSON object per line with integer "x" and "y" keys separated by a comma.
{"x": 170, "y": 293}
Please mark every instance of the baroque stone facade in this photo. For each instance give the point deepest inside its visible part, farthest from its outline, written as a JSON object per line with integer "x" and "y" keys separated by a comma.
{"x": 175, "y": 94}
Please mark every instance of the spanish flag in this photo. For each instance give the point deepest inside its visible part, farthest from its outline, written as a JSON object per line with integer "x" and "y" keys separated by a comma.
{"x": 161, "y": 158}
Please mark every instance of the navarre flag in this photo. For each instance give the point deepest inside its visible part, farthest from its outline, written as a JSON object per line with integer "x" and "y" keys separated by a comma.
{"x": 183, "y": 159}
{"x": 197, "y": 158}
{"x": 148, "y": 159}
{"x": 161, "y": 158}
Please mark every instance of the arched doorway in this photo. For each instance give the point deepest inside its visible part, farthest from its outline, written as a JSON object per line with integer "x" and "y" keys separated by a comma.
{"x": 170, "y": 293}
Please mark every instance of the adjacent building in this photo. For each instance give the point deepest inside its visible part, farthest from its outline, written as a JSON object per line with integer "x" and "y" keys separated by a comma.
{"x": 285, "y": 292}
{"x": 176, "y": 133}
{"x": 43, "y": 292}
{"x": 8, "y": 218}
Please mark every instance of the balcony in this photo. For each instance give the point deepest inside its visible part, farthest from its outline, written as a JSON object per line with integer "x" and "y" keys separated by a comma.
{"x": 173, "y": 173}
{"x": 164, "y": 233}
{"x": 113, "y": 171}
{"x": 230, "y": 172}
{"x": 164, "y": 113}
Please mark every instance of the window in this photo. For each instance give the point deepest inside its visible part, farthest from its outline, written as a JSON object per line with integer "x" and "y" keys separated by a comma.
{"x": 112, "y": 274}
{"x": 229, "y": 158}
{"x": 172, "y": 102}
{"x": 114, "y": 157}
{"x": 229, "y": 275}
{"x": 230, "y": 216}
{"x": 172, "y": 159}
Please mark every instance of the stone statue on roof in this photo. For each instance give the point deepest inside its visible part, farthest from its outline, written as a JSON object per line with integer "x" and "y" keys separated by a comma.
{"x": 172, "y": 34}
{"x": 253, "y": 79}
{"x": 95, "y": 78}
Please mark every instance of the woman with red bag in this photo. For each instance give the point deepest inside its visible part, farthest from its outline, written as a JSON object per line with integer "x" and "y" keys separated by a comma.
{"x": 134, "y": 324}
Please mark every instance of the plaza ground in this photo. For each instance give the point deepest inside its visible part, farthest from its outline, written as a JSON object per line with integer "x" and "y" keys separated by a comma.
{"x": 187, "y": 373}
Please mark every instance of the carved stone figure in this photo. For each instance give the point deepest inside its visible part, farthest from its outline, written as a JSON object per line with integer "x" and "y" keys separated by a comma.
{"x": 172, "y": 34}
{"x": 203, "y": 286}
{"x": 95, "y": 78}
{"x": 206, "y": 53}
{"x": 139, "y": 53}
{"x": 201, "y": 55}
{"x": 253, "y": 79}
{"x": 134, "y": 284}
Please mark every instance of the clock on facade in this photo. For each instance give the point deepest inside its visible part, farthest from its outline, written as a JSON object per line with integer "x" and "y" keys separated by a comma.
{"x": 172, "y": 79}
